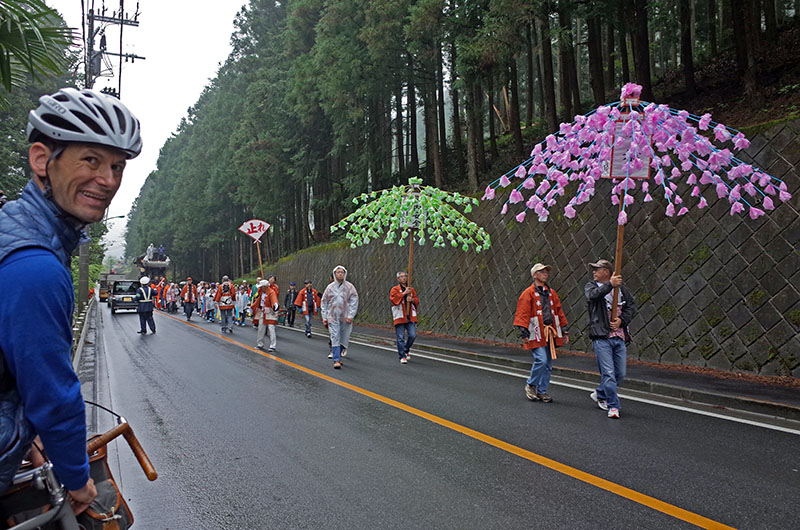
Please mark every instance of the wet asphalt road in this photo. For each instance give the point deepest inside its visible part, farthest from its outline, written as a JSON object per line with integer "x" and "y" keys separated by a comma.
{"x": 241, "y": 440}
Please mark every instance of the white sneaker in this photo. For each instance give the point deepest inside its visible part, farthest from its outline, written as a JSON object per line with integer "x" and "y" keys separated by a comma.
{"x": 613, "y": 413}
{"x": 403, "y": 360}
{"x": 600, "y": 402}
{"x": 330, "y": 355}
{"x": 344, "y": 352}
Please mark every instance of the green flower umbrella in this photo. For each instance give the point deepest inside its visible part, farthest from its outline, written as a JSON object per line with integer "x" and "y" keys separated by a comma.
{"x": 424, "y": 213}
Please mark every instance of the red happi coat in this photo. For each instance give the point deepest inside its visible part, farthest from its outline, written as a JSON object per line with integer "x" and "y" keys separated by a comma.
{"x": 301, "y": 301}
{"x": 267, "y": 312}
{"x": 400, "y": 307}
{"x": 529, "y": 315}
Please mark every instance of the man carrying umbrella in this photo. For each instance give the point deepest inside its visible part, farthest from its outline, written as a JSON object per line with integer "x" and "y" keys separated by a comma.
{"x": 541, "y": 323}
{"x": 609, "y": 333}
{"x": 404, "y": 315}
{"x": 339, "y": 307}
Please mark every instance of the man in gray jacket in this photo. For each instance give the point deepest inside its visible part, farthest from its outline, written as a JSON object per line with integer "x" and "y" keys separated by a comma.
{"x": 609, "y": 334}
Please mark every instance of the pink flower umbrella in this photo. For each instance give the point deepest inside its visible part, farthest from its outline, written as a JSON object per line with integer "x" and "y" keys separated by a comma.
{"x": 629, "y": 141}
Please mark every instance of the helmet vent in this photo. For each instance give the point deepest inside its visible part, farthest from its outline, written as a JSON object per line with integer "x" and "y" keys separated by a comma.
{"x": 102, "y": 111}
{"x": 89, "y": 122}
{"x": 121, "y": 119}
{"x": 59, "y": 122}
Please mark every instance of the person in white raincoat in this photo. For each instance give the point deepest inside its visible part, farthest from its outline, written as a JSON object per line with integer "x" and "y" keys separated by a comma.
{"x": 339, "y": 307}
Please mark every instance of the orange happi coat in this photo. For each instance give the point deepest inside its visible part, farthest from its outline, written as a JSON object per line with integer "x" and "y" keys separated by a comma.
{"x": 529, "y": 315}
{"x": 302, "y": 302}
{"x": 226, "y": 304}
{"x": 267, "y": 312}
{"x": 400, "y": 307}
{"x": 189, "y": 295}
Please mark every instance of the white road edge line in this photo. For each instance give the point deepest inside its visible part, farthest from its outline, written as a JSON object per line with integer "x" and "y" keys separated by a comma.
{"x": 589, "y": 389}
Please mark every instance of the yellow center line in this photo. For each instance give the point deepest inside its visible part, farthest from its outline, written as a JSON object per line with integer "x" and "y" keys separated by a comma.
{"x": 607, "y": 485}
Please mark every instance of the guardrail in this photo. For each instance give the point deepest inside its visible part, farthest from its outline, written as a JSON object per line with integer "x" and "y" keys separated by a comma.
{"x": 79, "y": 328}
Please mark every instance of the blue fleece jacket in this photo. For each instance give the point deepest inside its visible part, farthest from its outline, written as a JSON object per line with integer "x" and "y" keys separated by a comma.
{"x": 36, "y": 341}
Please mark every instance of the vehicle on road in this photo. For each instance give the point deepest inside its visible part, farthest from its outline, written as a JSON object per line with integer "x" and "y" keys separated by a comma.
{"x": 106, "y": 280}
{"x": 123, "y": 295}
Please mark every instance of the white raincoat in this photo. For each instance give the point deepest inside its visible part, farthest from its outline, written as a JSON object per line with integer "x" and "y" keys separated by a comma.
{"x": 339, "y": 302}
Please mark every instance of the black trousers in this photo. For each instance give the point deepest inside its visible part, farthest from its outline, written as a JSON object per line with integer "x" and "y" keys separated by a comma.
{"x": 145, "y": 319}
{"x": 290, "y": 316}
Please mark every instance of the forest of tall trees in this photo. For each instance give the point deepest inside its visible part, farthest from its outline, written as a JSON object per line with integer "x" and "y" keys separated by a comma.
{"x": 321, "y": 100}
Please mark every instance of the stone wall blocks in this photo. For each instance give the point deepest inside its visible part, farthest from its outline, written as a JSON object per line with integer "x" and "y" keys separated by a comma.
{"x": 733, "y": 349}
{"x": 751, "y": 250}
{"x": 729, "y": 298}
{"x": 757, "y": 143}
{"x": 740, "y": 234}
{"x": 792, "y": 152}
{"x": 767, "y": 316}
{"x": 780, "y": 334}
{"x": 779, "y": 167}
{"x": 711, "y": 267}
{"x": 772, "y": 282}
{"x": 690, "y": 312}
{"x": 681, "y": 296}
{"x": 735, "y": 266}
{"x": 792, "y": 231}
{"x": 766, "y": 158}
{"x": 706, "y": 296}
{"x": 740, "y": 315}
{"x": 719, "y": 362}
{"x": 785, "y": 299}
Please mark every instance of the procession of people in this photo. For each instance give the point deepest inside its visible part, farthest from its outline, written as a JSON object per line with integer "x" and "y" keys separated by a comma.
{"x": 539, "y": 317}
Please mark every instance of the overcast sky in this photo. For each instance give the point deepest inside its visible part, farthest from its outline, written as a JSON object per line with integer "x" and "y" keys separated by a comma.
{"x": 183, "y": 41}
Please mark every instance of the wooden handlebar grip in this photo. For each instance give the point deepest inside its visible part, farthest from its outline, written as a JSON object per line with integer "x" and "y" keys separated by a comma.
{"x": 141, "y": 456}
{"x": 96, "y": 443}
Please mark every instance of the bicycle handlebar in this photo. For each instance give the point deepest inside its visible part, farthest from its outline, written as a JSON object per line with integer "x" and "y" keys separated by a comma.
{"x": 125, "y": 430}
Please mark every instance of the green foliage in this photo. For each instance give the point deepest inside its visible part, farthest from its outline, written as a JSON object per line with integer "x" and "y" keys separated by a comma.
{"x": 756, "y": 297}
{"x": 32, "y": 42}
{"x": 794, "y": 317}
{"x": 667, "y": 312}
{"x": 423, "y": 212}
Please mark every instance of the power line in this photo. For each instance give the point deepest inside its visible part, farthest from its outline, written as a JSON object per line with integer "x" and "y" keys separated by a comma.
{"x": 97, "y": 21}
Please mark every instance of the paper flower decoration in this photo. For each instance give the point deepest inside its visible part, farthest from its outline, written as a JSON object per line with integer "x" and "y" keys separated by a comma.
{"x": 633, "y": 141}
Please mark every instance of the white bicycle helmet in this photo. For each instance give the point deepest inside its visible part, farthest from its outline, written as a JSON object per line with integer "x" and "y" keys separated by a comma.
{"x": 85, "y": 116}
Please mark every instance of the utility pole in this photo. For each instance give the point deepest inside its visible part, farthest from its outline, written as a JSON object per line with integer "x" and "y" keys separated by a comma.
{"x": 97, "y": 21}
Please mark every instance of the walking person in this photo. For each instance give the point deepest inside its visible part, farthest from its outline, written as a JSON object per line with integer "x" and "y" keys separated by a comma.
{"x": 288, "y": 301}
{"x": 609, "y": 334}
{"x": 265, "y": 306}
{"x": 189, "y": 297}
{"x": 226, "y": 300}
{"x": 210, "y": 304}
{"x": 339, "y": 307}
{"x": 404, "y": 315}
{"x": 242, "y": 302}
{"x": 542, "y": 326}
{"x": 308, "y": 301}
{"x": 145, "y": 305}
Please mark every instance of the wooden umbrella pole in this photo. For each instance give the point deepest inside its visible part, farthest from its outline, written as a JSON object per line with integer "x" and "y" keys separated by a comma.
{"x": 617, "y": 264}
{"x": 260, "y": 264}
{"x": 410, "y": 267}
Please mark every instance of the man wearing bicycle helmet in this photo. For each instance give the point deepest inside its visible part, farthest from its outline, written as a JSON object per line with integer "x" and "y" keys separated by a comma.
{"x": 80, "y": 143}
